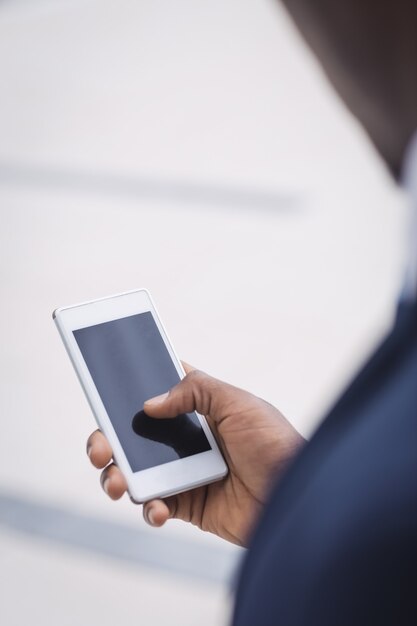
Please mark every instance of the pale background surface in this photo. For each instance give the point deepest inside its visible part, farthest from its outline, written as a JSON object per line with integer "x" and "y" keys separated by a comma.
{"x": 193, "y": 148}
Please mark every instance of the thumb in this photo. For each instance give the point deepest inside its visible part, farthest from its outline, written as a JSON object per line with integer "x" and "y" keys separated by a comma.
{"x": 196, "y": 392}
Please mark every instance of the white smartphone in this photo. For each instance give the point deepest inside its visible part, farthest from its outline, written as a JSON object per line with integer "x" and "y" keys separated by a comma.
{"x": 122, "y": 356}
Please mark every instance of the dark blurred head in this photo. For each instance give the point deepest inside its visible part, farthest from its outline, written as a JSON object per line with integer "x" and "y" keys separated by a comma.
{"x": 368, "y": 49}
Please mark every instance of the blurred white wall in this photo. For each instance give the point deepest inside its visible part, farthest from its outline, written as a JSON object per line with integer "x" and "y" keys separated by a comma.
{"x": 193, "y": 148}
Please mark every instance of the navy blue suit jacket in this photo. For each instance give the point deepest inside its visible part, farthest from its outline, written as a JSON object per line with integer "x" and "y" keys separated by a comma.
{"x": 337, "y": 545}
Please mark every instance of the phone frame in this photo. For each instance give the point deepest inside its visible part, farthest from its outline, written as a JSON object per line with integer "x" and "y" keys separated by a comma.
{"x": 155, "y": 482}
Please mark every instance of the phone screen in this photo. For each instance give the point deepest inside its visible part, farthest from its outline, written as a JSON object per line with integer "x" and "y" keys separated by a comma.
{"x": 129, "y": 363}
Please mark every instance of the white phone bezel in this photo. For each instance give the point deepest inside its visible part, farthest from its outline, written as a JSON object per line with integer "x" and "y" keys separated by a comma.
{"x": 162, "y": 480}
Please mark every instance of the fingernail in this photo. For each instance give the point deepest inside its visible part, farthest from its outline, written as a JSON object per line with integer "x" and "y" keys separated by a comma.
{"x": 106, "y": 485}
{"x": 150, "y": 517}
{"x": 158, "y": 399}
{"x": 89, "y": 448}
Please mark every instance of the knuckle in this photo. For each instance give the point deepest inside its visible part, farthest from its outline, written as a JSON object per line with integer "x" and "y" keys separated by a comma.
{"x": 196, "y": 377}
{"x": 199, "y": 390}
{"x": 192, "y": 375}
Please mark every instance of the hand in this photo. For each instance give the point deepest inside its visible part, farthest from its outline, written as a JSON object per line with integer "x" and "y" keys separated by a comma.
{"x": 255, "y": 438}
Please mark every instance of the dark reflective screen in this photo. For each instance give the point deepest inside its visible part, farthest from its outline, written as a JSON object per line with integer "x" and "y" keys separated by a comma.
{"x": 130, "y": 363}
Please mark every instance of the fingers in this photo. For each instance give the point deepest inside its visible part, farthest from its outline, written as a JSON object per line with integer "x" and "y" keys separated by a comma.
{"x": 100, "y": 454}
{"x": 99, "y": 450}
{"x": 113, "y": 482}
{"x": 157, "y": 512}
{"x": 196, "y": 392}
